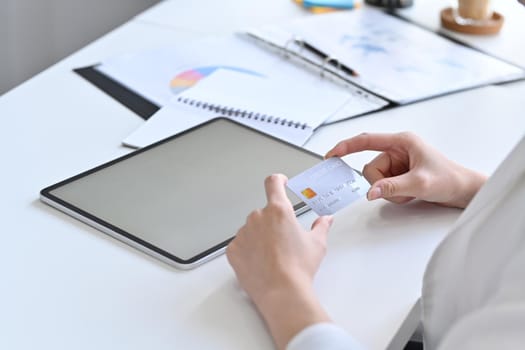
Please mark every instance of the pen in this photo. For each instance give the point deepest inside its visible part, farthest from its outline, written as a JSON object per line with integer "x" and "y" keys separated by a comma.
{"x": 324, "y": 56}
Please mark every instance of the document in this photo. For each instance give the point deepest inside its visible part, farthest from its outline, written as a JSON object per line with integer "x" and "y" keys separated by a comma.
{"x": 391, "y": 57}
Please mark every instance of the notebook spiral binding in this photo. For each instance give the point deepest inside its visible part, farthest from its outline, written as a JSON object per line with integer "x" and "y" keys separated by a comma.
{"x": 234, "y": 112}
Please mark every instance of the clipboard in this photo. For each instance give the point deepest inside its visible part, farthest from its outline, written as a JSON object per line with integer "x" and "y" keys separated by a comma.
{"x": 386, "y": 54}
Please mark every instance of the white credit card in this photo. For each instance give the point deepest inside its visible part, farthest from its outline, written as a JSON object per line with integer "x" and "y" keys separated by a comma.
{"x": 329, "y": 186}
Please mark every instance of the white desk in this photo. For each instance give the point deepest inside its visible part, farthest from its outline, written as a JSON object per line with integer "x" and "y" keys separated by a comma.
{"x": 507, "y": 44}
{"x": 67, "y": 286}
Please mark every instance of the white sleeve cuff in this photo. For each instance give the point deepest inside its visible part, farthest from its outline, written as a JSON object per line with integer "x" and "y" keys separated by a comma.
{"x": 326, "y": 336}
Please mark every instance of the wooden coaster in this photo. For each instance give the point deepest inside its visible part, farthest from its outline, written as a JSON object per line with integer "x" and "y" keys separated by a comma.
{"x": 489, "y": 26}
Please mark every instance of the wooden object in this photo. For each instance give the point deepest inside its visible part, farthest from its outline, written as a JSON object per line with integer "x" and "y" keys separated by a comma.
{"x": 489, "y": 26}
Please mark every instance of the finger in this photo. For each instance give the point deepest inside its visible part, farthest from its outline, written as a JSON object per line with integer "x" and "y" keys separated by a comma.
{"x": 367, "y": 142}
{"x": 275, "y": 188}
{"x": 378, "y": 168}
{"x": 231, "y": 251}
{"x": 392, "y": 187}
{"x": 322, "y": 224}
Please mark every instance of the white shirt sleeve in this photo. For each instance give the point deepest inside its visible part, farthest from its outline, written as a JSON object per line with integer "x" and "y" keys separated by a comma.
{"x": 326, "y": 336}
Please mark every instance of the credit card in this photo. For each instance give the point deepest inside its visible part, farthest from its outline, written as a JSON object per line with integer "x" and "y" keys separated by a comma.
{"x": 329, "y": 186}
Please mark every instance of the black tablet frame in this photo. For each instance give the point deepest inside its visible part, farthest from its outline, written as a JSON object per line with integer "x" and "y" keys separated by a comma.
{"x": 130, "y": 239}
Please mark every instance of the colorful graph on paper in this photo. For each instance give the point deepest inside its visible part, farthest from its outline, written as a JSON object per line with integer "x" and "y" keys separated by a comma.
{"x": 190, "y": 77}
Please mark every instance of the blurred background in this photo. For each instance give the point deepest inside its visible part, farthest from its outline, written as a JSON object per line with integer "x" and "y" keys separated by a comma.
{"x": 34, "y": 34}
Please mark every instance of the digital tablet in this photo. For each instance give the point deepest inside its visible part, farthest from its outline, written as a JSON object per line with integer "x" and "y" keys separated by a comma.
{"x": 182, "y": 199}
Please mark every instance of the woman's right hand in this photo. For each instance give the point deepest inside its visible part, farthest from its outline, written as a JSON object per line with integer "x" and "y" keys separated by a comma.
{"x": 408, "y": 169}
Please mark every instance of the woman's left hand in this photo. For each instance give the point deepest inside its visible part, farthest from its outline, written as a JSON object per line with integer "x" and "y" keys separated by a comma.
{"x": 275, "y": 260}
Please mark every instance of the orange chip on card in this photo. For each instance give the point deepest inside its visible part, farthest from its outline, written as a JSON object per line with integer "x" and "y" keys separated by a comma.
{"x": 309, "y": 193}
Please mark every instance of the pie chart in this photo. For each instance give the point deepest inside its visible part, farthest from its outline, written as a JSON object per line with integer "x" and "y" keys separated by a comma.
{"x": 190, "y": 77}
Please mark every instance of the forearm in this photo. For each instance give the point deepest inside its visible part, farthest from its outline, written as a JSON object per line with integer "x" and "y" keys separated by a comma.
{"x": 289, "y": 310}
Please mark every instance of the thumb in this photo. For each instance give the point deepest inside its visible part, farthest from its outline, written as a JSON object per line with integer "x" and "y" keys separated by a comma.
{"x": 397, "y": 186}
{"x": 322, "y": 224}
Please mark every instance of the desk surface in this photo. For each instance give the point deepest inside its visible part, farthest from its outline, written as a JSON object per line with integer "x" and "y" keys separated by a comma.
{"x": 507, "y": 44}
{"x": 66, "y": 285}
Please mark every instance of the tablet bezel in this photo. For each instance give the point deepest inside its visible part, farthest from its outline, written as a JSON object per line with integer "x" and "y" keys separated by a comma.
{"x": 134, "y": 241}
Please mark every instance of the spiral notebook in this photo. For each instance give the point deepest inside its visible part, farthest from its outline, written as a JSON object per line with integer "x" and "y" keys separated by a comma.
{"x": 273, "y": 106}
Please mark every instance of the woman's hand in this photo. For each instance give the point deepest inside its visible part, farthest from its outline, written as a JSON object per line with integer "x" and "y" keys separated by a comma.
{"x": 408, "y": 168}
{"x": 275, "y": 260}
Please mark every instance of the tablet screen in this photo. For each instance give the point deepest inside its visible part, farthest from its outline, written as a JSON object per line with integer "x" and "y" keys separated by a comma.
{"x": 185, "y": 196}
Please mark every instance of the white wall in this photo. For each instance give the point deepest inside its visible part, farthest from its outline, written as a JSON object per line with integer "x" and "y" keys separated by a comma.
{"x": 37, "y": 33}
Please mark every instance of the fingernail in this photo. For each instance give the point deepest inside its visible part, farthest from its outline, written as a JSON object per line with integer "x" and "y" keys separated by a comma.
{"x": 374, "y": 193}
{"x": 330, "y": 220}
